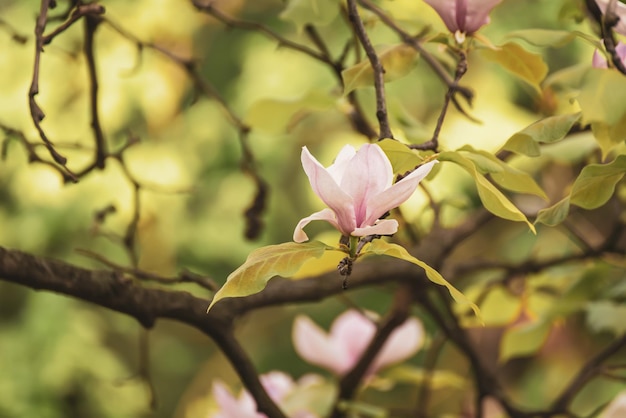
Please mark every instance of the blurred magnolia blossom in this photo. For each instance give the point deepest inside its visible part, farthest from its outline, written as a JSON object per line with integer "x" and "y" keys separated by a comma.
{"x": 599, "y": 60}
{"x": 617, "y": 407}
{"x": 350, "y": 333}
{"x": 358, "y": 189}
{"x": 278, "y": 385}
{"x": 463, "y": 17}
{"x": 620, "y": 11}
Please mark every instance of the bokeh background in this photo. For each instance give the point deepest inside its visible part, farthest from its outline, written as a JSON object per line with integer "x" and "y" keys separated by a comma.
{"x": 64, "y": 358}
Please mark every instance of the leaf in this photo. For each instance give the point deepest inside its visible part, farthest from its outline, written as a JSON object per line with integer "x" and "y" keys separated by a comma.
{"x": 552, "y": 38}
{"x": 607, "y": 316}
{"x": 596, "y": 183}
{"x": 523, "y": 340}
{"x": 397, "y": 60}
{"x": 266, "y": 262}
{"x": 435, "y": 379}
{"x": 526, "y": 65}
{"x": 402, "y": 158}
{"x": 492, "y": 198}
{"x": 506, "y": 176}
{"x": 555, "y": 214}
{"x": 598, "y": 99}
{"x": 314, "y": 12}
{"x": 607, "y": 137}
{"x": 275, "y": 115}
{"x": 548, "y": 130}
{"x": 380, "y": 247}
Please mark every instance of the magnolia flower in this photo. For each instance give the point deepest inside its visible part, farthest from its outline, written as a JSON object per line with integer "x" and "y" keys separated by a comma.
{"x": 278, "y": 386}
{"x": 620, "y": 11}
{"x": 358, "y": 190}
{"x": 350, "y": 334}
{"x": 617, "y": 407}
{"x": 463, "y": 17}
{"x": 599, "y": 60}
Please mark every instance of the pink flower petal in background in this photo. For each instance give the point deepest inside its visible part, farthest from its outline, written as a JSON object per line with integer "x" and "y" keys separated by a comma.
{"x": 358, "y": 190}
{"x": 463, "y": 16}
{"x": 599, "y": 61}
{"x": 620, "y": 11}
{"x": 350, "y": 333}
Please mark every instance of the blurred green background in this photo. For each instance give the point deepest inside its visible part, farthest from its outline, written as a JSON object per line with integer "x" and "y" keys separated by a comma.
{"x": 64, "y": 358}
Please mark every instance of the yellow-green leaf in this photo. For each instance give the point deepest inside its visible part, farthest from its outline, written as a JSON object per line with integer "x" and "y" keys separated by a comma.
{"x": 492, "y": 198}
{"x": 528, "y": 66}
{"x": 266, "y": 262}
{"x": 596, "y": 183}
{"x": 402, "y": 158}
{"x": 315, "y": 12}
{"x": 547, "y": 130}
{"x": 523, "y": 340}
{"x": 600, "y": 99}
{"x": 555, "y": 214}
{"x": 380, "y": 247}
{"x": 607, "y": 316}
{"x": 552, "y": 38}
{"x": 503, "y": 174}
{"x": 397, "y": 60}
{"x": 435, "y": 379}
{"x": 609, "y": 137}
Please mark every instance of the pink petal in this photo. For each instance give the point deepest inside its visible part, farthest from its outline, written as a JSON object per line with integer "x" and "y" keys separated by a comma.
{"x": 382, "y": 227}
{"x": 620, "y": 10}
{"x": 338, "y": 168}
{"x": 403, "y": 343}
{"x": 328, "y": 190}
{"x": 599, "y": 60}
{"x": 230, "y": 407}
{"x": 369, "y": 174}
{"x": 463, "y": 15}
{"x": 323, "y": 215}
{"x": 351, "y": 332}
{"x": 277, "y": 384}
{"x": 315, "y": 346}
{"x": 397, "y": 194}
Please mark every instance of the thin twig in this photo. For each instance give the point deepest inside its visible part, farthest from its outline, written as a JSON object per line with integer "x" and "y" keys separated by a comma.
{"x": 377, "y": 68}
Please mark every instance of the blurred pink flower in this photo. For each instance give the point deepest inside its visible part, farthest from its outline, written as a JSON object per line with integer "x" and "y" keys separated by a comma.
{"x": 599, "y": 60}
{"x": 278, "y": 386}
{"x": 350, "y": 334}
{"x": 617, "y": 407}
{"x": 463, "y": 17}
{"x": 358, "y": 190}
{"x": 620, "y": 11}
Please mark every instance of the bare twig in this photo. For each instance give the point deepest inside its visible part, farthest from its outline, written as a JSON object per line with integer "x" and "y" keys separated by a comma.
{"x": 377, "y": 68}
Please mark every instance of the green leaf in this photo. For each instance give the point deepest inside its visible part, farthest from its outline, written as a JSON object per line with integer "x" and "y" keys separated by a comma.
{"x": 275, "y": 115}
{"x": 552, "y": 38}
{"x": 380, "y": 247}
{"x": 607, "y": 316}
{"x": 266, "y": 262}
{"x": 402, "y": 158}
{"x": 362, "y": 409}
{"x": 492, "y": 198}
{"x": 506, "y": 176}
{"x": 596, "y": 183}
{"x": 548, "y": 130}
{"x": 314, "y": 12}
{"x": 598, "y": 99}
{"x": 435, "y": 379}
{"x": 523, "y": 340}
{"x": 397, "y": 60}
{"x": 554, "y": 214}
{"x": 609, "y": 137}
{"x": 526, "y": 65}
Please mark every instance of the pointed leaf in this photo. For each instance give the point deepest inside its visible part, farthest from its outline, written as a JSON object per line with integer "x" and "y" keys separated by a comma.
{"x": 492, "y": 198}
{"x": 506, "y": 176}
{"x": 598, "y": 99}
{"x": 548, "y": 130}
{"x": 523, "y": 340}
{"x": 596, "y": 183}
{"x": 380, "y": 247}
{"x": 315, "y": 12}
{"x": 402, "y": 158}
{"x": 526, "y": 65}
{"x": 555, "y": 214}
{"x": 609, "y": 137}
{"x": 552, "y": 38}
{"x": 397, "y": 60}
{"x": 266, "y": 262}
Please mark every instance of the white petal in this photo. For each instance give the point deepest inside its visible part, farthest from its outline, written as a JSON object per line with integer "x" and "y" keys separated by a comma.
{"x": 338, "y": 168}
{"x": 382, "y": 227}
{"x": 323, "y": 215}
